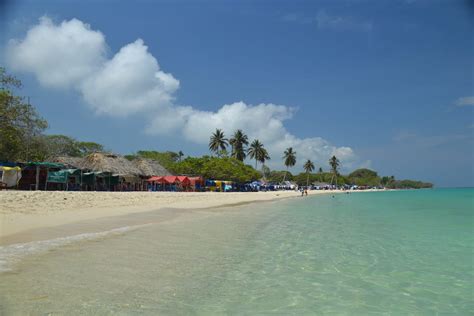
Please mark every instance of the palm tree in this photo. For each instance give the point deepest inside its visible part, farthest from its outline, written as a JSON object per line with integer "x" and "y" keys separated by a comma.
{"x": 289, "y": 157}
{"x": 258, "y": 152}
{"x": 264, "y": 156}
{"x": 218, "y": 142}
{"x": 320, "y": 174}
{"x": 238, "y": 142}
{"x": 308, "y": 167}
{"x": 334, "y": 163}
{"x": 180, "y": 155}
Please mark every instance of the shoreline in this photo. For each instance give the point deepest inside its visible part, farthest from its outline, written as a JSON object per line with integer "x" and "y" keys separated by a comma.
{"x": 27, "y": 216}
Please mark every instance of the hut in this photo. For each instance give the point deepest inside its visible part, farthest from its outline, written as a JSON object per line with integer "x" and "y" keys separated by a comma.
{"x": 35, "y": 174}
{"x": 69, "y": 162}
{"x": 150, "y": 168}
{"x": 108, "y": 171}
{"x": 111, "y": 172}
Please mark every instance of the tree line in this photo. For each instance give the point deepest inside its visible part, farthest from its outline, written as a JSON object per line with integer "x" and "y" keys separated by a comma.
{"x": 239, "y": 141}
{"x": 22, "y": 138}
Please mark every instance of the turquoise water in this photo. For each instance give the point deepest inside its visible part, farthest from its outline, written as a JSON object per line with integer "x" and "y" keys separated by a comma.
{"x": 406, "y": 252}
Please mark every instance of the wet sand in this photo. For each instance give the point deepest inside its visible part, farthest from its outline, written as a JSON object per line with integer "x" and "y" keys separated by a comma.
{"x": 23, "y": 214}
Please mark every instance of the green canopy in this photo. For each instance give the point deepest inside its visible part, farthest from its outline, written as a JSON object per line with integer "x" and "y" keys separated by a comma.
{"x": 61, "y": 176}
{"x": 46, "y": 164}
{"x": 108, "y": 178}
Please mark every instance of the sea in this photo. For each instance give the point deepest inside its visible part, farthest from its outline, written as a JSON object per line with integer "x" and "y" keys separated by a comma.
{"x": 395, "y": 253}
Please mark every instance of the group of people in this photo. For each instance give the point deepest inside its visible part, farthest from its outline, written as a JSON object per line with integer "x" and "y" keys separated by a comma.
{"x": 304, "y": 192}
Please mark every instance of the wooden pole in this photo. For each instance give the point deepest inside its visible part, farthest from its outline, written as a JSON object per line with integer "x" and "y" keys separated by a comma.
{"x": 37, "y": 177}
{"x": 46, "y": 182}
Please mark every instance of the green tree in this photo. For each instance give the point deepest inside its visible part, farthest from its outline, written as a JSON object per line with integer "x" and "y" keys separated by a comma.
{"x": 61, "y": 145}
{"x": 167, "y": 159}
{"x": 262, "y": 157}
{"x": 258, "y": 152}
{"x": 180, "y": 155}
{"x": 277, "y": 175}
{"x": 239, "y": 141}
{"x": 87, "y": 148}
{"x": 308, "y": 168}
{"x": 217, "y": 142}
{"x": 265, "y": 171}
{"x": 289, "y": 157}
{"x": 334, "y": 163}
{"x": 217, "y": 168}
{"x": 364, "y": 177}
{"x": 20, "y": 124}
{"x": 320, "y": 171}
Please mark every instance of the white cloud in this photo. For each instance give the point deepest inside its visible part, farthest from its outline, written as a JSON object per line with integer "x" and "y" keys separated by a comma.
{"x": 59, "y": 55}
{"x": 128, "y": 83}
{"x": 71, "y": 54}
{"x": 263, "y": 121}
{"x": 465, "y": 101}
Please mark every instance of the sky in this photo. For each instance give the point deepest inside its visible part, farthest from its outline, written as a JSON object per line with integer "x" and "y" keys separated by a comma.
{"x": 386, "y": 85}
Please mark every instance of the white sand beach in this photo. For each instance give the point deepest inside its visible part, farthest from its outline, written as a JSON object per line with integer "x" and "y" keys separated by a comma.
{"x": 21, "y": 211}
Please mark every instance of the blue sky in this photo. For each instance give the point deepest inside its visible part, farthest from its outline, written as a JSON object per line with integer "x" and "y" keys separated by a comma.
{"x": 384, "y": 84}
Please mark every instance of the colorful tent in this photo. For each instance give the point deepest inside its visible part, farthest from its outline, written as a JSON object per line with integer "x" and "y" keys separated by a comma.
{"x": 158, "y": 179}
{"x": 183, "y": 180}
{"x": 10, "y": 175}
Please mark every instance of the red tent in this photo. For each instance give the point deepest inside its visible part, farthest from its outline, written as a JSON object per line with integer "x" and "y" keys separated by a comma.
{"x": 170, "y": 179}
{"x": 184, "y": 180}
{"x": 155, "y": 179}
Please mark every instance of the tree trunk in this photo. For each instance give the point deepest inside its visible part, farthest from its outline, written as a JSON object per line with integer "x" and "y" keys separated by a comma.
{"x": 307, "y": 179}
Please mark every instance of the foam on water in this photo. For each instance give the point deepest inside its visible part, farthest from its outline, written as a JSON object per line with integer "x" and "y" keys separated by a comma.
{"x": 11, "y": 254}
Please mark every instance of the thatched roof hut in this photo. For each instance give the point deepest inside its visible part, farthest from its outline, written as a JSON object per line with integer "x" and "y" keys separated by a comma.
{"x": 107, "y": 162}
{"x": 149, "y": 167}
{"x": 115, "y": 164}
{"x": 69, "y": 162}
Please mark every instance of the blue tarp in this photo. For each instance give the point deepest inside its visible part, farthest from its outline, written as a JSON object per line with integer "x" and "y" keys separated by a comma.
{"x": 8, "y": 164}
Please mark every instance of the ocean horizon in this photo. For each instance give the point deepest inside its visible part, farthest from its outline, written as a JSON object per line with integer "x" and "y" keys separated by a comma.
{"x": 400, "y": 252}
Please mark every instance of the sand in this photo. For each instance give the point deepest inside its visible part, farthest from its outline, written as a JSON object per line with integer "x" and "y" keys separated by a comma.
{"x": 24, "y": 211}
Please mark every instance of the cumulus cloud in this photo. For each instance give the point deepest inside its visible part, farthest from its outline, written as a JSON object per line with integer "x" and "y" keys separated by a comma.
{"x": 72, "y": 55}
{"x": 465, "y": 101}
{"x": 59, "y": 55}
{"x": 263, "y": 121}
{"x": 128, "y": 83}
